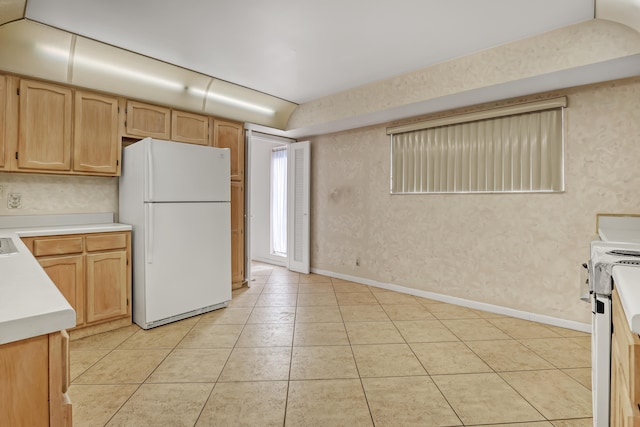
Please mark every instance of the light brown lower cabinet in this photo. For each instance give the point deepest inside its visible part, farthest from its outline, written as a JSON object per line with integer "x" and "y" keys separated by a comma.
{"x": 106, "y": 285}
{"x": 625, "y": 370}
{"x": 67, "y": 272}
{"x": 93, "y": 273}
{"x": 34, "y": 378}
{"x": 237, "y": 234}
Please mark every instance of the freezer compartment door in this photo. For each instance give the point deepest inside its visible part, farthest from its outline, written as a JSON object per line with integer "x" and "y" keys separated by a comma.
{"x": 187, "y": 257}
{"x": 178, "y": 172}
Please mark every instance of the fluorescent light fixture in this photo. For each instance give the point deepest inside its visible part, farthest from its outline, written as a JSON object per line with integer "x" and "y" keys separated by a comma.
{"x": 233, "y": 101}
{"x": 106, "y": 67}
{"x": 56, "y": 52}
{"x": 126, "y": 72}
{"x": 109, "y": 68}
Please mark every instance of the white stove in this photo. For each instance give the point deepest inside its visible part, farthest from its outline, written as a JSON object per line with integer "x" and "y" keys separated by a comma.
{"x": 604, "y": 257}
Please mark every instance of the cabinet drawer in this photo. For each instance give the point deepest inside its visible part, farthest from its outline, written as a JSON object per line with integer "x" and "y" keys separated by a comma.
{"x": 106, "y": 241}
{"x": 57, "y": 246}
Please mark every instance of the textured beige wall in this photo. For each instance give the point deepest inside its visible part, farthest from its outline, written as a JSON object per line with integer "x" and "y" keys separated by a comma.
{"x": 57, "y": 194}
{"x": 570, "y": 47}
{"x": 521, "y": 251}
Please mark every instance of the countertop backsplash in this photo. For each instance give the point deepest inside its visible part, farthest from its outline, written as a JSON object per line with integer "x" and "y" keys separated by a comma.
{"x": 58, "y": 194}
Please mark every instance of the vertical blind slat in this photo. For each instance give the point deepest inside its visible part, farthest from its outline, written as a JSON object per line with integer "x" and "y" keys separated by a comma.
{"x": 465, "y": 165}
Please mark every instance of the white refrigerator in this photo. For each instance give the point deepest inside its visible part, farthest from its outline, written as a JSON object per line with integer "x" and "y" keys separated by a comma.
{"x": 177, "y": 198}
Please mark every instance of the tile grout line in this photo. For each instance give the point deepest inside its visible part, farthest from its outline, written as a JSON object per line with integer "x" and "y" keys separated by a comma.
{"x": 293, "y": 336}
{"x": 128, "y": 398}
{"x": 364, "y": 392}
{"x": 431, "y": 377}
{"x": 221, "y": 369}
{"x": 151, "y": 373}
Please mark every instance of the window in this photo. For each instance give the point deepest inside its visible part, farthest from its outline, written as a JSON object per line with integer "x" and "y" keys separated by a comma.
{"x": 279, "y": 201}
{"x": 512, "y": 149}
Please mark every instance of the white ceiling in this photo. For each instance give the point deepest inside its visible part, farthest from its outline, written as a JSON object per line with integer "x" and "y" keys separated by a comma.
{"x": 301, "y": 50}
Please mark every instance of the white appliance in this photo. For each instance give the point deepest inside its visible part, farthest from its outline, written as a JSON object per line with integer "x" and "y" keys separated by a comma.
{"x": 177, "y": 198}
{"x": 604, "y": 256}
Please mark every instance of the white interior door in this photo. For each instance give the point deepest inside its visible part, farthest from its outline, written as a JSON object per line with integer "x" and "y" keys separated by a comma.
{"x": 298, "y": 158}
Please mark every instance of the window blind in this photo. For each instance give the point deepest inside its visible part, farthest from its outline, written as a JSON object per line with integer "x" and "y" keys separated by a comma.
{"x": 508, "y": 150}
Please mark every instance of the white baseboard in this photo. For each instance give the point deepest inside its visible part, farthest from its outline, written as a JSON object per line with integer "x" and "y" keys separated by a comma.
{"x": 535, "y": 317}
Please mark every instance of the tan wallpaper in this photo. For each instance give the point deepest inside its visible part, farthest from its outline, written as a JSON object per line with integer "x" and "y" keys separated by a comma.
{"x": 521, "y": 251}
{"x": 57, "y": 194}
{"x": 570, "y": 47}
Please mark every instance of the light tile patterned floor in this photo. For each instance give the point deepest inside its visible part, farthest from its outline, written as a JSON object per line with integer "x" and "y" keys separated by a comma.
{"x": 298, "y": 350}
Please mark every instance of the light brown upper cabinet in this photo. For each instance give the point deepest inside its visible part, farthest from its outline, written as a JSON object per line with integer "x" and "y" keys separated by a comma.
{"x": 48, "y": 128}
{"x": 45, "y": 122}
{"x": 189, "y": 127}
{"x": 147, "y": 120}
{"x": 231, "y": 135}
{"x": 96, "y": 142}
{"x": 3, "y": 123}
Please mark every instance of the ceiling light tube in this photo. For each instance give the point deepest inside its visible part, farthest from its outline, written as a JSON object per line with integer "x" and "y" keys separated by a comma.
{"x": 106, "y": 67}
{"x": 234, "y": 102}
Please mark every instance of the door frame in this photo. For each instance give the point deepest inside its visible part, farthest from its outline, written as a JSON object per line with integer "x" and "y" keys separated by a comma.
{"x": 251, "y": 134}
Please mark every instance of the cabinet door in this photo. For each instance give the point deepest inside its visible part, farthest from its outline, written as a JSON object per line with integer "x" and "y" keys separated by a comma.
{"x": 189, "y": 127}
{"x": 24, "y": 382}
{"x": 231, "y": 135}
{"x": 106, "y": 282}
{"x": 96, "y": 144}
{"x": 44, "y": 141}
{"x": 623, "y": 411}
{"x": 237, "y": 234}
{"x": 147, "y": 120}
{"x": 67, "y": 272}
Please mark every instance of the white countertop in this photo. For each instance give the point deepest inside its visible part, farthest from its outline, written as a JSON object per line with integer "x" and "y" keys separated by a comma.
{"x": 30, "y": 303}
{"x": 627, "y": 282}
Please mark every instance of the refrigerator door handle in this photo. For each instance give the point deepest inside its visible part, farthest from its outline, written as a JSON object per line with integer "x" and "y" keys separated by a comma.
{"x": 149, "y": 180}
{"x": 149, "y": 231}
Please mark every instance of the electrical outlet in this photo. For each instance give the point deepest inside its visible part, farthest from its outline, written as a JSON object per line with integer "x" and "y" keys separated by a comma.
{"x": 14, "y": 201}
